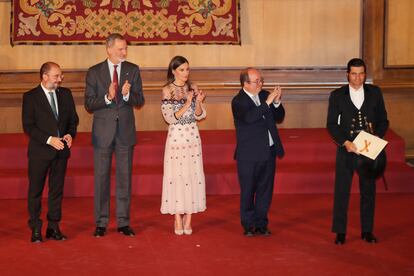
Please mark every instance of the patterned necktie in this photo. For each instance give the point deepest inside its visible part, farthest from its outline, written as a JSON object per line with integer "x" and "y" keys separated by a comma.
{"x": 115, "y": 81}
{"x": 256, "y": 100}
{"x": 53, "y": 104}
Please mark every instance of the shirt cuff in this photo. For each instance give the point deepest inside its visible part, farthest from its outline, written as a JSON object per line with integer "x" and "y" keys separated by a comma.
{"x": 48, "y": 140}
{"x": 107, "y": 101}
{"x": 126, "y": 97}
{"x": 277, "y": 104}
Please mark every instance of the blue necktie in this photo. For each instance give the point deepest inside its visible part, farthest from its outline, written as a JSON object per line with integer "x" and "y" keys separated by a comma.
{"x": 53, "y": 104}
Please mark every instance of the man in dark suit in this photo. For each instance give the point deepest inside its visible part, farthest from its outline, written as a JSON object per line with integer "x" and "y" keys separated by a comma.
{"x": 352, "y": 108}
{"x": 49, "y": 118}
{"x": 113, "y": 88}
{"x": 255, "y": 113}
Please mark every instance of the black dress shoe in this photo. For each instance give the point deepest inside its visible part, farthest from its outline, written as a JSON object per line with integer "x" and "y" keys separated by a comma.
{"x": 248, "y": 232}
{"x": 55, "y": 234}
{"x": 126, "y": 230}
{"x": 262, "y": 231}
{"x": 340, "y": 239}
{"x": 99, "y": 232}
{"x": 369, "y": 237}
{"x": 36, "y": 236}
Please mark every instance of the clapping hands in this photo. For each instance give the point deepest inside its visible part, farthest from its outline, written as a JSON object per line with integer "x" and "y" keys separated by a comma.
{"x": 125, "y": 88}
{"x": 200, "y": 96}
{"x": 275, "y": 96}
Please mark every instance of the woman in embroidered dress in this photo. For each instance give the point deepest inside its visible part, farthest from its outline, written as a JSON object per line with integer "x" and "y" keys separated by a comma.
{"x": 183, "y": 187}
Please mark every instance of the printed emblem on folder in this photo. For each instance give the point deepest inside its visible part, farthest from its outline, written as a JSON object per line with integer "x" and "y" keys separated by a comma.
{"x": 369, "y": 145}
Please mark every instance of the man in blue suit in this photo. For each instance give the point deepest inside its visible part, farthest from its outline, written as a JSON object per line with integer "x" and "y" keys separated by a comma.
{"x": 256, "y": 112}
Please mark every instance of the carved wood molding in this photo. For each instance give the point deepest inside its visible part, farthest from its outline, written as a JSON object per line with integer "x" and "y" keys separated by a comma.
{"x": 219, "y": 84}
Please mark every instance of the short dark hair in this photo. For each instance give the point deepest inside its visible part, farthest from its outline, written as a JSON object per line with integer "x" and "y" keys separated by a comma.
{"x": 110, "y": 40}
{"x": 45, "y": 68}
{"x": 175, "y": 62}
{"x": 355, "y": 62}
{"x": 244, "y": 75}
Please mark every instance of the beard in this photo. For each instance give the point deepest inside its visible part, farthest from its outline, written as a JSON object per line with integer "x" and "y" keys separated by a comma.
{"x": 122, "y": 59}
{"x": 53, "y": 86}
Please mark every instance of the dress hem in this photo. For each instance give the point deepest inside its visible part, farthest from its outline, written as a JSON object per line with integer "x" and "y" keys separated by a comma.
{"x": 183, "y": 213}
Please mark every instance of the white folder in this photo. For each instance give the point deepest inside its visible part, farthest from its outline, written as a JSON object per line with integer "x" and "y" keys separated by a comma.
{"x": 369, "y": 145}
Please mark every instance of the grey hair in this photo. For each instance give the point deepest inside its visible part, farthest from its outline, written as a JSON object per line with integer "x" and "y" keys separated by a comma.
{"x": 110, "y": 40}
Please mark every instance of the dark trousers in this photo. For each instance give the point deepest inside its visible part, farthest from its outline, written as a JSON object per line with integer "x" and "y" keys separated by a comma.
{"x": 345, "y": 167}
{"x": 256, "y": 190}
{"x": 102, "y": 170}
{"x": 38, "y": 170}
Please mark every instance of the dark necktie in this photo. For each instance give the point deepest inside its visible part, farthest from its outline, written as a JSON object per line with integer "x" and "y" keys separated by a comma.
{"x": 115, "y": 81}
{"x": 53, "y": 104}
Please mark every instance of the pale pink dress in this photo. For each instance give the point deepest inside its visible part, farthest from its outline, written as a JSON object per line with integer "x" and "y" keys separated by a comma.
{"x": 183, "y": 187}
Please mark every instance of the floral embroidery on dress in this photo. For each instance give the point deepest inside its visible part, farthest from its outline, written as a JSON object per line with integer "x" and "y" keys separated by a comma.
{"x": 175, "y": 105}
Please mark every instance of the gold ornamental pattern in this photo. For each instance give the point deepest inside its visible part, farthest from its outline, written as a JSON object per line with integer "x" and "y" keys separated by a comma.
{"x": 140, "y": 21}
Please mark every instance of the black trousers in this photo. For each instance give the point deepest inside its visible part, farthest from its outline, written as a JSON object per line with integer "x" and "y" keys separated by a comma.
{"x": 256, "y": 190}
{"x": 345, "y": 167}
{"x": 38, "y": 170}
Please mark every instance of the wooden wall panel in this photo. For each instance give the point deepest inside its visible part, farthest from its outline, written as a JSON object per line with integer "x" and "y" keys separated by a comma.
{"x": 375, "y": 44}
{"x": 299, "y": 115}
{"x": 300, "y": 33}
{"x": 399, "y": 103}
{"x": 300, "y": 112}
{"x": 297, "y": 54}
{"x": 305, "y": 99}
{"x": 399, "y": 36}
{"x": 312, "y": 33}
{"x": 304, "y": 94}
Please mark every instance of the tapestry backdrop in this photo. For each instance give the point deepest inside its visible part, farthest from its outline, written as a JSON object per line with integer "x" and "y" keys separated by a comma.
{"x": 140, "y": 21}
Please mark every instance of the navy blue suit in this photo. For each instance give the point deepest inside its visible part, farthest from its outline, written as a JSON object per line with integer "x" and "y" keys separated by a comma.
{"x": 256, "y": 159}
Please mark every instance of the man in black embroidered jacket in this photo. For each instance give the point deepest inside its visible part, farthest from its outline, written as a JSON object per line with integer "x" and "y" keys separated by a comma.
{"x": 351, "y": 108}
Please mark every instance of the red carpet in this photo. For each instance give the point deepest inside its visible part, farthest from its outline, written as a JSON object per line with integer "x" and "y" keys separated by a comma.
{"x": 301, "y": 243}
{"x": 308, "y": 166}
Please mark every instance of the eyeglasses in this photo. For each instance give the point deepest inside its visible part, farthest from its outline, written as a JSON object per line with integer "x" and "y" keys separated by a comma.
{"x": 257, "y": 82}
{"x": 57, "y": 76}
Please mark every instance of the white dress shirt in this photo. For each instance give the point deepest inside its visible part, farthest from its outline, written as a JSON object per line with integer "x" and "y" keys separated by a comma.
{"x": 46, "y": 91}
{"x": 111, "y": 73}
{"x": 48, "y": 96}
{"x": 357, "y": 96}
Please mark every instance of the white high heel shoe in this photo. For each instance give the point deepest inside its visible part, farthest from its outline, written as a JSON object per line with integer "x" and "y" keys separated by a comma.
{"x": 178, "y": 232}
{"x": 188, "y": 231}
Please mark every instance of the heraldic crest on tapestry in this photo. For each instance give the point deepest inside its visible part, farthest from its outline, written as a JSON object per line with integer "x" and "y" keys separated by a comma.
{"x": 140, "y": 21}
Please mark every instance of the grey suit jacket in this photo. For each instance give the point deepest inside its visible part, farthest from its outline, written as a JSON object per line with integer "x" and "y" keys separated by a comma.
{"x": 107, "y": 117}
